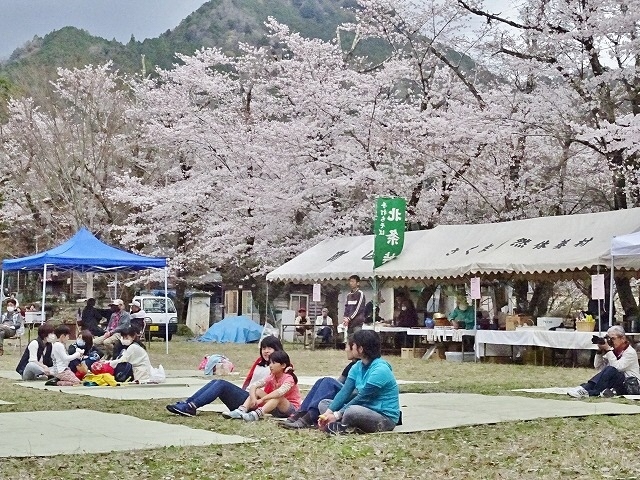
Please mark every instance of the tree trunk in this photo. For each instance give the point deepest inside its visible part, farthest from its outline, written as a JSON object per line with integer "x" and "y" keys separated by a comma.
{"x": 539, "y": 303}
{"x": 179, "y": 300}
{"x": 625, "y": 294}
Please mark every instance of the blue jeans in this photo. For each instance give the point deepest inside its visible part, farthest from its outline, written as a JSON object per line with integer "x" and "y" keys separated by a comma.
{"x": 609, "y": 377}
{"x": 362, "y": 418}
{"x": 325, "y": 333}
{"x": 324, "y": 388}
{"x": 228, "y": 393}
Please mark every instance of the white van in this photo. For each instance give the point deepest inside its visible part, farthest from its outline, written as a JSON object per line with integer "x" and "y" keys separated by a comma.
{"x": 155, "y": 317}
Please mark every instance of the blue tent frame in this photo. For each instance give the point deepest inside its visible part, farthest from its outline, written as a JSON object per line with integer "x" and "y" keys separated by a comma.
{"x": 85, "y": 253}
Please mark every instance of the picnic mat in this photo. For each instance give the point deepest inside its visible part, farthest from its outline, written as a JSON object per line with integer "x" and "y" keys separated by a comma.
{"x": 554, "y": 390}
{"x": 563, "y": 391}
{"x": 433, "y": 411}
{"x": 173, "y": 388}
{"x": 58, "y": 436}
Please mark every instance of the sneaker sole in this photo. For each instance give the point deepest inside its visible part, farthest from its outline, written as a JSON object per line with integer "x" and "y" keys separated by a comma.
{"x": 175, "y": 411}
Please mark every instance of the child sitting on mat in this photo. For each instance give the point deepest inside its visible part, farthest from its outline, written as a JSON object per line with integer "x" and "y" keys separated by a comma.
{"x": 61, "y": 359}
{"x": 277, "y": 394}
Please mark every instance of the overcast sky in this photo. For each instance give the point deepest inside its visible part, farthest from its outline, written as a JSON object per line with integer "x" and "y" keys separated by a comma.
{"x": 20, "y": 20}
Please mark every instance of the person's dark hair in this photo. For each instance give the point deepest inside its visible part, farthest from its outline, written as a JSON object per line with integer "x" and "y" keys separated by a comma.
{"x": 282, "y": 357}
{"x": 61, "y": 330}
{"x": 350, "y": 341}
{"x": 370, "y": 343}
{"x": 87, "y": 336}
{"x": 355, "y": 277}
{"x": 130, "y": 331}
{"x": 91, "y": 302}
{"x": 269, "y": 341}
{"x": 44, "y": 330}
{"x": 12, "y": 301}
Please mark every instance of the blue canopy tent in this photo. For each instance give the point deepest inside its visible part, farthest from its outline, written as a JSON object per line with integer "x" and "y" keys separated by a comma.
{"x": 85, "y": 253}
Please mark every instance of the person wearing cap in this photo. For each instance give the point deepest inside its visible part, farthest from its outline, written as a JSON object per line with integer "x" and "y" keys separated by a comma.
{"x": 325, "y": 322}
{"x": 463, "y": 316}
{"x": 119, "y": 321}
{"x": 302, "y": 322}
{"x": 137, "y": 316}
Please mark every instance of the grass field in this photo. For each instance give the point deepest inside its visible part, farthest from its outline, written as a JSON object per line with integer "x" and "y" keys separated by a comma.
{"x": 590, "y": 447}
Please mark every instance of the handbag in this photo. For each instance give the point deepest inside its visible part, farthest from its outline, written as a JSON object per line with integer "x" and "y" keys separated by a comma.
{"x": 632, "y": 386}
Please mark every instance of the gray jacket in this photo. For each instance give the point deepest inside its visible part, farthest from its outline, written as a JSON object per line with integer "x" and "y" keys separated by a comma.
{"x": 12, "y": 319}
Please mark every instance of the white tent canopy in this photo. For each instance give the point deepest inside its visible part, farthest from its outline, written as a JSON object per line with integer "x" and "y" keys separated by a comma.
{"x": 533, "y": 247}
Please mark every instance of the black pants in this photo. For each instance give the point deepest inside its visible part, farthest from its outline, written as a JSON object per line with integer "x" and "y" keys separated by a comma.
{"x": 609, "y": 377}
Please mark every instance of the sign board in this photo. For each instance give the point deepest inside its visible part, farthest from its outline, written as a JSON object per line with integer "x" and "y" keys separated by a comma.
{"x": 597, "y": 286}
{"x": 475, "y": 288}
{"x": 316, "y": 293}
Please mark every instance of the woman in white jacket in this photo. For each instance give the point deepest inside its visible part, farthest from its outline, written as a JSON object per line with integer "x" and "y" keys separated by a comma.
{"x": 616, "y": 360}
{"x": 134, "y": 354}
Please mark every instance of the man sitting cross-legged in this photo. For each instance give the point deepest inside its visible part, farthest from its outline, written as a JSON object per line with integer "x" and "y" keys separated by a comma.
{"x": 325, "y": 388}
{"x": 369, "y": 399}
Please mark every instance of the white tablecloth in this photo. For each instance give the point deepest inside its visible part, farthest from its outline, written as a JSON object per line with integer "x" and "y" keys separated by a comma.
{"x": 541, "y": 338}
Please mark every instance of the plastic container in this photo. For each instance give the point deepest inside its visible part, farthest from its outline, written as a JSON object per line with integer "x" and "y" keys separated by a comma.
{"x": 549, "y": 322}
{"x": 458, "y": 358}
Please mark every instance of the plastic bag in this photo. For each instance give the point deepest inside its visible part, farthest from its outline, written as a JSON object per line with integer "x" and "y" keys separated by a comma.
{"x": 157, "y": 375}
{"x": 218, "y": 364}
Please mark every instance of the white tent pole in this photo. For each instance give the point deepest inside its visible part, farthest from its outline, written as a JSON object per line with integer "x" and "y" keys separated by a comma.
{"x": 44, "y": 289}
{"x": 611, "y": 287}
{"x": 2, "y": 289}
{"x": 266, "y": 312}
{"x": 115, "y": 287}
{"x": 166, "y": 310}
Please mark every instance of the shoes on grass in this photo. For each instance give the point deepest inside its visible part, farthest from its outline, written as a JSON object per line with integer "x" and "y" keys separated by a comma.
{"x": 578, "y": 392}
{"x": 337, "y": 428}
{"x": 183, "y": 409}
{"x": 250, "y": 416}
{"x": 237, "y": 414}
{"x": 295, "y": 416}
{"x": 608, "y": 393}
{"x": 302, "y": 422}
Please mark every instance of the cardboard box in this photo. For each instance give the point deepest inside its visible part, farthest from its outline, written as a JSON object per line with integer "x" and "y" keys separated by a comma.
{"x": 513, "y": 321}
{"x": 407, "y": 353}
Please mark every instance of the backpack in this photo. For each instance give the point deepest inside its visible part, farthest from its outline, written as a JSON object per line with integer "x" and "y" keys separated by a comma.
{"x": 123, "y": 372}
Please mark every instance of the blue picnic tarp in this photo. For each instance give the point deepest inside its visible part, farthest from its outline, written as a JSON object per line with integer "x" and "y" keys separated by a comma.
{"x": 233, "y": 330}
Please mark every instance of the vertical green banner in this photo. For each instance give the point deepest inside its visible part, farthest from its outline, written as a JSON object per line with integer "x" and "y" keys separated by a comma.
{"x": 388, "y": 229}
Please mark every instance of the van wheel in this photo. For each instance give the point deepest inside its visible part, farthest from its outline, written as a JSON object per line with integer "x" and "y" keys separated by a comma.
{"x": 170, "y": 336}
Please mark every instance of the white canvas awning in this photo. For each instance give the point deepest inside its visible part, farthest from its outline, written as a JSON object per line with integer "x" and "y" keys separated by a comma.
{"x": 533, "y": 247}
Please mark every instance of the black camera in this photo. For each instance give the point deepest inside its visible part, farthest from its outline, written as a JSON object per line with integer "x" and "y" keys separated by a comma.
{"x": 596, "y": 340}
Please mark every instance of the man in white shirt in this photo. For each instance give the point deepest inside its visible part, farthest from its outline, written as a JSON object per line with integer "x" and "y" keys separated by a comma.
{"x": 326, "y": 324}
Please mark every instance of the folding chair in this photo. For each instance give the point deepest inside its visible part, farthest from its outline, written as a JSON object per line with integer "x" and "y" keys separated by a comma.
{"x": 18, "y": 336}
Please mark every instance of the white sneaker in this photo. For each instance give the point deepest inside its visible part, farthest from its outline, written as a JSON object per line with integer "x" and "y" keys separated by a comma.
{"x": 233, "y": 414}
{"x": 577, "y": 392}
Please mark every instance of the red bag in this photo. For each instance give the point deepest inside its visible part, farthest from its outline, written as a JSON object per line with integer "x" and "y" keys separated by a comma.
{"x": 101, "y": 367}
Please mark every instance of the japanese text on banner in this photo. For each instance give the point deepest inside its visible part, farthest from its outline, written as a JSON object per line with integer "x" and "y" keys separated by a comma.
{"x": 388, "y": 229}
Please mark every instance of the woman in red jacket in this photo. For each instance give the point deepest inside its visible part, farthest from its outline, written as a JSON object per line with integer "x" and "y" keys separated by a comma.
{"x": 228, "y": 393}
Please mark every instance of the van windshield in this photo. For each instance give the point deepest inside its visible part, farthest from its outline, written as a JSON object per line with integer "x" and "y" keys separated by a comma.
{"x": 156, "y": 305}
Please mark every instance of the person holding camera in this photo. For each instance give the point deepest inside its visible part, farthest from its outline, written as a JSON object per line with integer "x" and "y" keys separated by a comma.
{"x": 616, "y": 361}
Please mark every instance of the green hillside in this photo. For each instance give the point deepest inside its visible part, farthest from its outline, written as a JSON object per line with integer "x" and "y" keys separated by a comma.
{"x": 219, "y": 23}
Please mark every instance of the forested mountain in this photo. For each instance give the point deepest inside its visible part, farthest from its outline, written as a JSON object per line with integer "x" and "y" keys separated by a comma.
{"x": 219, "y": 23}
